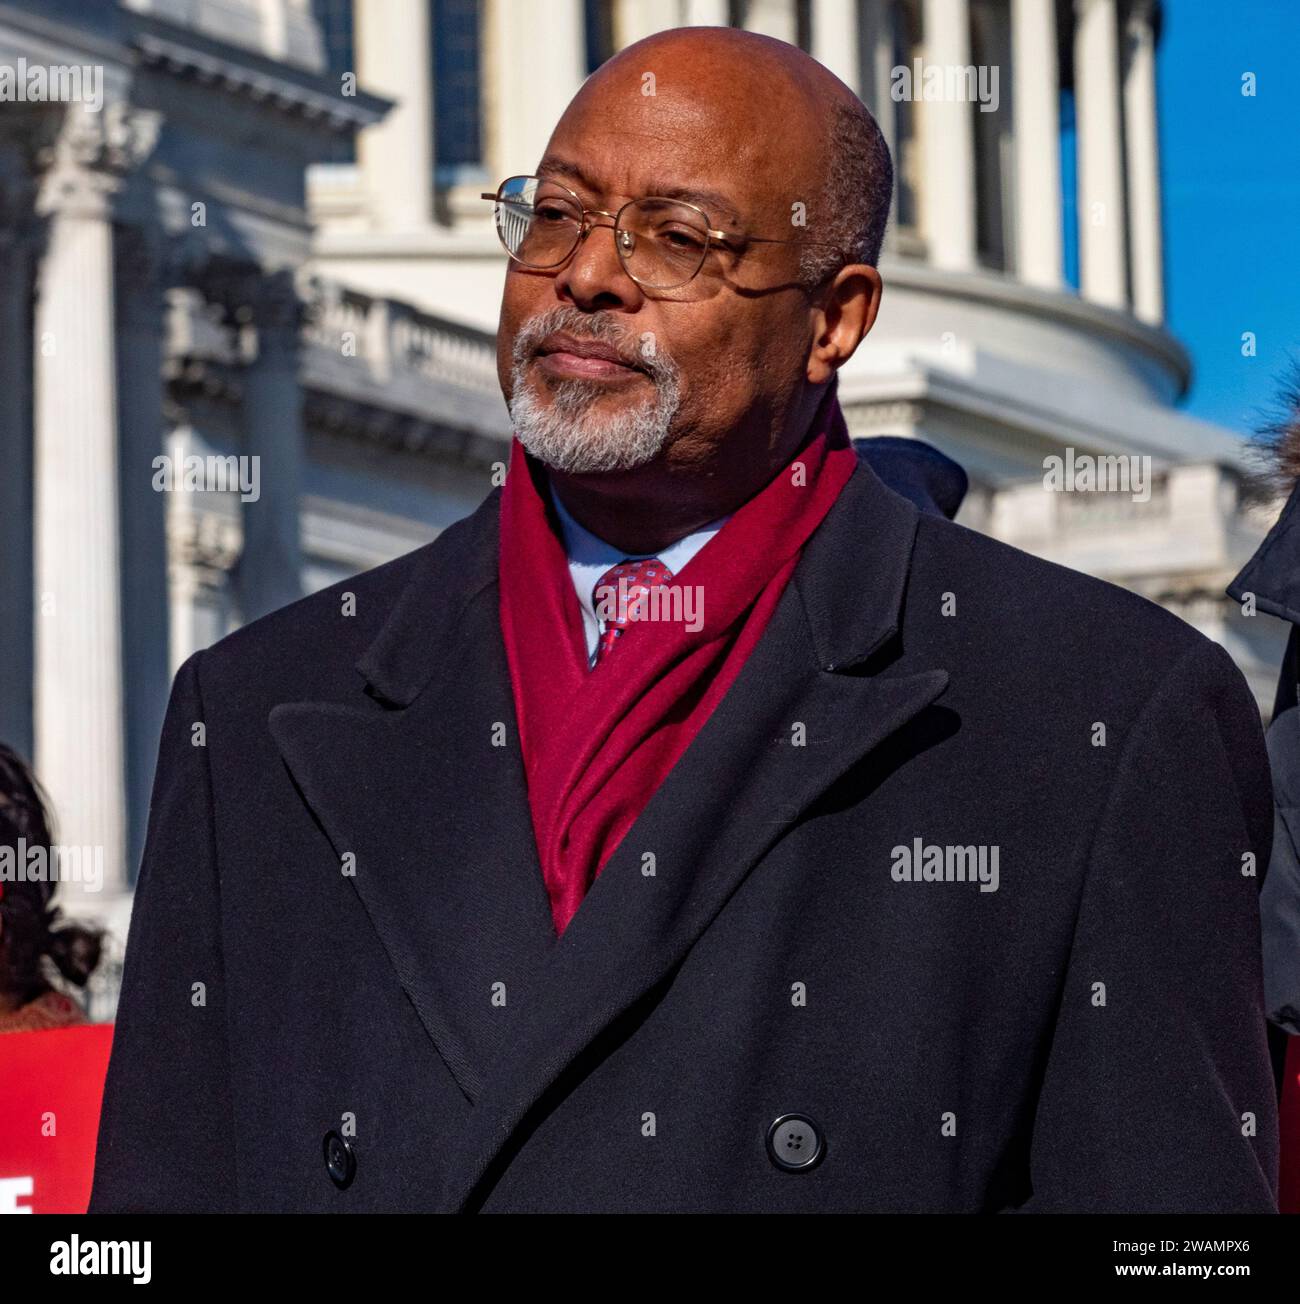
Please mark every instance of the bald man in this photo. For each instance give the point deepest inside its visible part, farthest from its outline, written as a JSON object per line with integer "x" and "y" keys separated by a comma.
{"x": 701, "y": 825}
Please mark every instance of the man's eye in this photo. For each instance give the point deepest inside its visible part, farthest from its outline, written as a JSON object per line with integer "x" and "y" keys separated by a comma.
{"x": 679, "y": 239}
{"x": 552, "y": 213}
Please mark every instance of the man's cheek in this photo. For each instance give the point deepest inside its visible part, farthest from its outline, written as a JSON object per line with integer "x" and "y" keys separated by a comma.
{"x": 505, "y": 363}
{"x": 713, "y": 382}
{"x": 512, "y": 314}
{"x": 517, "y": 304}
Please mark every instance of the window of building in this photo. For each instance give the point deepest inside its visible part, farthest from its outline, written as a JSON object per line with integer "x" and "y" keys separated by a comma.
{"x": 1069, "y": 144}
{"x": 1069, "y": 189}
{"x": 990, "y": 39}
{"x": 803, "y": 25}
{"x": 334, "y": 18}
{"x": 598, "y": 22}
{"x": 457, "y": 110}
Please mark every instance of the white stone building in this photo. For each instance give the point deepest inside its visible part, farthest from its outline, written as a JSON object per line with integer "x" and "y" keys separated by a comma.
{"x": 268, "y": 242}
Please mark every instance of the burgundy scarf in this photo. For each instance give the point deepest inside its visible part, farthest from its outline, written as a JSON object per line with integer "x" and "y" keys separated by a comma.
{"x": 597, "y": 744}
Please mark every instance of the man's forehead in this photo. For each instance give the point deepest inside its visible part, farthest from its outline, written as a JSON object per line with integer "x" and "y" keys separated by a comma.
{"x": 589, "y": 175}
{"x": 690, "y": 136}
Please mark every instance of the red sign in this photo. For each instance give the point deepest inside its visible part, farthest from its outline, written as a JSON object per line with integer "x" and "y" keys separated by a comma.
{"x": 50, "y": 1085}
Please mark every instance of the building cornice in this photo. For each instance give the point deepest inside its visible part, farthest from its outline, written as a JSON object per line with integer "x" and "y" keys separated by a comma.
{"x": 884, "y": 403}
{"x": 127, "y": 38}
{"x": 1060, "y": 306}
{"x": 295, "y": 92}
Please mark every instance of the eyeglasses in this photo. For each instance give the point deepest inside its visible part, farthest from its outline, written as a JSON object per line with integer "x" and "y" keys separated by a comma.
{"x": 662, "y": 243}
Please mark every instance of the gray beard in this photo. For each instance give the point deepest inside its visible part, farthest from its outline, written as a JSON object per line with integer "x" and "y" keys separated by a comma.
{"x": 566, "y": 435}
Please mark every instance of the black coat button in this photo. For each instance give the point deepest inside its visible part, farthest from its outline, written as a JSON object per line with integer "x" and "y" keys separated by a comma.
{"x": 340, "y": 1160}
{"x": 794, "y": 1142}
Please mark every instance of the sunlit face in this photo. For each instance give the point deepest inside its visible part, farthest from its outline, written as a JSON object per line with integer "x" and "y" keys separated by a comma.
{"x": 695, "y": 364}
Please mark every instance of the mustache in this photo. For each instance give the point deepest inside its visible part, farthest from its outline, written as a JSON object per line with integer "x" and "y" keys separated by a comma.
{"x": 582, "y": 326}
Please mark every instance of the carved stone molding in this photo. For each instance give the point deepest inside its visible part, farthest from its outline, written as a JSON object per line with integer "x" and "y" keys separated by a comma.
{"x": 204, "y": 545}
{"x": 290, "y": 93}
{"x": 893, "y": 418}
{"x": 81, "y": 157}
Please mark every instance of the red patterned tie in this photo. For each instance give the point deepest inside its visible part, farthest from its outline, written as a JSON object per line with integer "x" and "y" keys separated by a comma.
{"x": 622, "y": 595}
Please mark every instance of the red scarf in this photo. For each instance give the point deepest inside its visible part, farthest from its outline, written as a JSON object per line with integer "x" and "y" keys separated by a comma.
{"x": 597, "y": 744}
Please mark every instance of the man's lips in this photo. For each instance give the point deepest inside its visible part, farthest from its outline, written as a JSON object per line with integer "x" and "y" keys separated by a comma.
{"x": 566, "y": 356}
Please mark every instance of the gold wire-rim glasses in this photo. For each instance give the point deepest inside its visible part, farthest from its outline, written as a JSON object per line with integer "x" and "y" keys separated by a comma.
{"x": 585, "y": 226}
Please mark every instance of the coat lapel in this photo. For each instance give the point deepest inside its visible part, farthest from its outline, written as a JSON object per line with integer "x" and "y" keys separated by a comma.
{"x": 738, "y": 786}
{"x": 411, "y": 783}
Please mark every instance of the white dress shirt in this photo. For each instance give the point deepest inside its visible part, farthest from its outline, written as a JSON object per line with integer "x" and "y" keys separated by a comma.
{"x": 591, "y": 557}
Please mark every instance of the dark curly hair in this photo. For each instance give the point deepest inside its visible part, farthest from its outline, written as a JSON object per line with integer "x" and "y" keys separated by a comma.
{"x": 28, "y": 932}
{"x": 1279, "y": 434}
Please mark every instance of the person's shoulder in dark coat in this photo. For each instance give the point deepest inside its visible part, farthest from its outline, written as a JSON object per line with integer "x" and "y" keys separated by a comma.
{"x": 1270, "y": 584}
{"x": 1280, "y": 899}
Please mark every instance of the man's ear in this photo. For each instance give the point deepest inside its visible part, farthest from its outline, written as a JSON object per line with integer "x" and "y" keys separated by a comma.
{"x": 843, "y": 312}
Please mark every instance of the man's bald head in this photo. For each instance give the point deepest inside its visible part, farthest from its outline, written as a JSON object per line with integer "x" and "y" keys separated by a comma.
{"x": 776, "y": 92}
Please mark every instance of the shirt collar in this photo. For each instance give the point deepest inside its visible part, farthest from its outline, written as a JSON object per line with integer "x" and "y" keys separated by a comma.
{"x": 591, "y": 556}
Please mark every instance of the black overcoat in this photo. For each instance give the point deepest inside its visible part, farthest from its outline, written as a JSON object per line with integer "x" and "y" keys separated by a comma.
{"x": 341, "y": 931}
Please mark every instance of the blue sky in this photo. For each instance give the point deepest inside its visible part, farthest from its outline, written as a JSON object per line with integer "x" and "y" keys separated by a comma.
{"x": 1231, "y": 180}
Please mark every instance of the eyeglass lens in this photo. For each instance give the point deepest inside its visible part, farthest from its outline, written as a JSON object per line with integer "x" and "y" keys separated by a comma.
{"x": 662, "y": 243}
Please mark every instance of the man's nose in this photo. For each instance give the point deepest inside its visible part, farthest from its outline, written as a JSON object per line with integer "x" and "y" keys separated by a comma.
{"x": 594, "y": 274}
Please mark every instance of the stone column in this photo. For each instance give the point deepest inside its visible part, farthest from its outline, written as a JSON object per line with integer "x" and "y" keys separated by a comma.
{"x": 704, "y": 13}
{"x": 547, "y": 34}
{"x": 772, "y": 18}
{"x": 78, "y": 682}
{"x": 947, "y": 143}
{"x": 1102, "y": 271}
{"x": 835, "y": 40}
{"x": 270, "y": 567}
{"x": 1143, "y": 163}
{"x": 636, "y": 19}
{"x": 395, "y": 156}
{"x": 274, "y": 28}
{"x": 1037, "y": 130}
